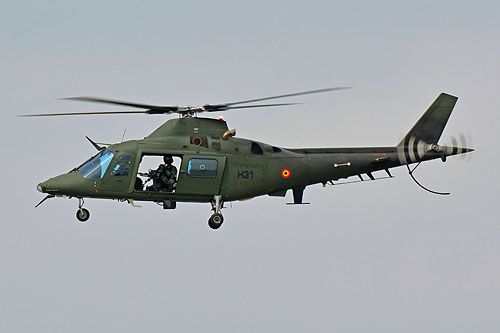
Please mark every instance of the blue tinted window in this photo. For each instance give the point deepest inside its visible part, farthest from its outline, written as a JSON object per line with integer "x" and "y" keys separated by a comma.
{"x": 96, "y": 167}
{"x": 200, "y": 167}
{"x": 122, "y": 167}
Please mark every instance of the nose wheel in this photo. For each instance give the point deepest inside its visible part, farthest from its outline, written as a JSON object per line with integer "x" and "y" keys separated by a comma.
{"x": 82, "y": 214}
{"x": 216, "y": 220}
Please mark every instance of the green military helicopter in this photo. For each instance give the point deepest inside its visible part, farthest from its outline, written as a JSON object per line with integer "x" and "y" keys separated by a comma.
{"x": 216, "y": 167}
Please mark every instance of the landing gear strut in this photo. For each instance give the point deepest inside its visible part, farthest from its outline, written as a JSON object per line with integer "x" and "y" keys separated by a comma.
{"x": 216, "y": 220}
{"x": 82, "y": 214}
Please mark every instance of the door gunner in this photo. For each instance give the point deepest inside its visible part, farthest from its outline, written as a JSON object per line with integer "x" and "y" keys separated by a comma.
{"x": 165, "y": 176}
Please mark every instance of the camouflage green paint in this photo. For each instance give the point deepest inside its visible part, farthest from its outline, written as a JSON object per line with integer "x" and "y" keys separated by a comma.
{"x": 247, "y": 168}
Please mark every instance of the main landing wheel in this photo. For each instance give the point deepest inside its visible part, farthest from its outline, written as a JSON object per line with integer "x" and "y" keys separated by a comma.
{"x": 82, "y": 214}
{"x": 215, "y": 221}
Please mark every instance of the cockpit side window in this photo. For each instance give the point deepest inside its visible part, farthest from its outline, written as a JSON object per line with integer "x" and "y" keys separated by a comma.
{"x": 96, "y": 167}
{"x": 122, "y": 166}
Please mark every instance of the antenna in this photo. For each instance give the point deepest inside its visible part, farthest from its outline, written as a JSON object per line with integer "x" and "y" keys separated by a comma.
{"x": 410, "y": 172}
{"x": 123, "y": 136}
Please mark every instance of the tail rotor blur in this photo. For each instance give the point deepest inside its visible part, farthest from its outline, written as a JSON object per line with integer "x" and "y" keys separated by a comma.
{"x": 463, "y": 146}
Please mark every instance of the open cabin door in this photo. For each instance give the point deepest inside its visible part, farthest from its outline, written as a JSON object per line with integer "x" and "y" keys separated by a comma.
{"x": 201, "y": 175}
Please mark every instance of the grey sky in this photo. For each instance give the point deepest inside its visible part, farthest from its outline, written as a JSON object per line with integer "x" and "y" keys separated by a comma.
{"x": 380, "y": 257}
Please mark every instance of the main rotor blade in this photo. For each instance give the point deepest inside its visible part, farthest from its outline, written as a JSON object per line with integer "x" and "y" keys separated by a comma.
{"x": 185, "y": 110}
{"x": 84, "y": 113}
{"x": 289, "y": 95}
{"x": 117, "y": 102}
{"x": 208, "y": 108}
{"x": 223, "y": 107}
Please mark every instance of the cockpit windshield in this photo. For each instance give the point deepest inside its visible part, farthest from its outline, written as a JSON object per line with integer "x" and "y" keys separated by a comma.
{"x": 96, "y": 167}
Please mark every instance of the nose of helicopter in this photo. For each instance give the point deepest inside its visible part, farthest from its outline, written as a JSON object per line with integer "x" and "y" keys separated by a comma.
{"x": 58, "y": 185}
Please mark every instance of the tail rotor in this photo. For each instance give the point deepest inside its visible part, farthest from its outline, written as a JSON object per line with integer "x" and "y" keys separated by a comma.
{"x": 461, "y": 146}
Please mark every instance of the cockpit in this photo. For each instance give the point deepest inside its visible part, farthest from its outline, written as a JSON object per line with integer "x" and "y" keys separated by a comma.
{"x": 97, "y": 165}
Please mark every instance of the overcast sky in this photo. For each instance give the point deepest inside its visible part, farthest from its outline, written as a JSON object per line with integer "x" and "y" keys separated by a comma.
{"x": 379, "y": 257}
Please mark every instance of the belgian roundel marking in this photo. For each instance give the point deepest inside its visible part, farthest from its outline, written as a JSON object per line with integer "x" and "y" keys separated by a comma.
{"x": 285, "y": 173}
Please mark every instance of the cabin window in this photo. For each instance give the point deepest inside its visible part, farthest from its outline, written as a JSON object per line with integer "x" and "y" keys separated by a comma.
{"x": 122, "y": 167}
{"x": 96, "y": 167}
{"x": 256, "y": 149}
{"x": 203, "y": 168}
{"x": 276, "y": 149}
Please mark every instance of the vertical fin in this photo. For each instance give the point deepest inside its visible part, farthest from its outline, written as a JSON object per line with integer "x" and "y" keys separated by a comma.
{"x": 427, "y": 130}
{"x": 431, "y": 125}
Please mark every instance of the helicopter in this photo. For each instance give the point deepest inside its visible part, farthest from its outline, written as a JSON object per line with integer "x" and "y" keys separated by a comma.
{"x": 217, "y": 167}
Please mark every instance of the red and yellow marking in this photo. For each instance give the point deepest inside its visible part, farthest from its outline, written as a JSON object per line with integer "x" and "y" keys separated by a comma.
{"x": 285, "y": 173}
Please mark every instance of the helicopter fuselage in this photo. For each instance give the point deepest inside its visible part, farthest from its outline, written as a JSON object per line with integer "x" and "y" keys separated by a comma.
{"x": 232, "y": 168}
{"x": 217, "y": 167}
